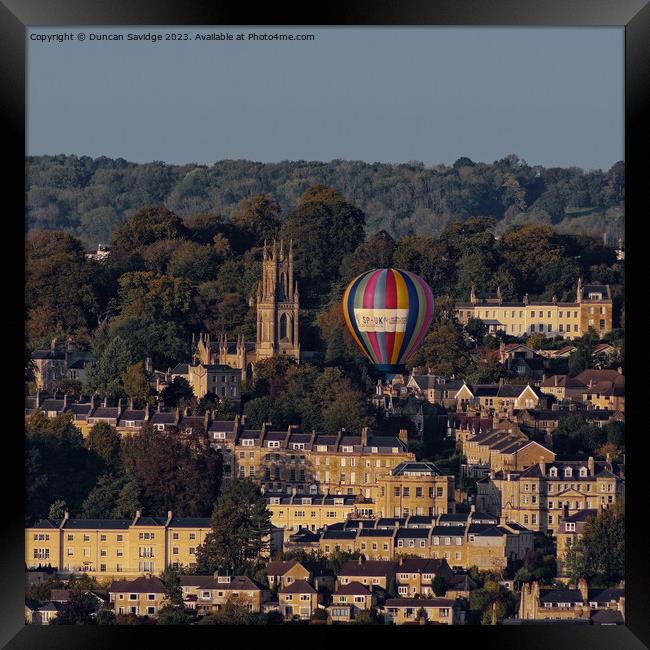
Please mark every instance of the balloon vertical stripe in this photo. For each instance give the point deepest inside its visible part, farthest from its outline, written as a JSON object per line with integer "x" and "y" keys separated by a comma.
{"x": 388, "y": 313}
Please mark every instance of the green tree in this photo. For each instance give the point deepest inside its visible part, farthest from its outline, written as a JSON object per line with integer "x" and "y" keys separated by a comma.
{"x": 100, "y": 502}
{"x": 147, "y": 226}
{"x": 105, "y": 373}
{"x": 599, "y": 555}
{"x": 439, "y": 585}
{"x": 105, "y": 616}
{"x": 177, "y": 393}
{"x": 240, "y": 530}
{"x": 323, "y": 215}
{"x": 78, "y": 610}
{"x": 105, "y": 441}
{"x": 173, "y": 592}
{"x": 365, "y": 617}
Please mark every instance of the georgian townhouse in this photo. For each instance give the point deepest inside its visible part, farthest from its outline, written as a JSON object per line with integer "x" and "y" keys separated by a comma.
{"x": 375, "y": 543}
{"x": 600, "y": 606}
{"x": 536, "y": 497}
{"x": 569, "y": 531}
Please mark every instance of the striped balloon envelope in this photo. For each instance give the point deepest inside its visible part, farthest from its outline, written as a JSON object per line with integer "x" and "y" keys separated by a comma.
{"x": 388, "y": 312}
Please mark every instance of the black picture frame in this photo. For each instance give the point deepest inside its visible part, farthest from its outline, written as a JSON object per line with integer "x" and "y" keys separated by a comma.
{"x": 634, "y": 15}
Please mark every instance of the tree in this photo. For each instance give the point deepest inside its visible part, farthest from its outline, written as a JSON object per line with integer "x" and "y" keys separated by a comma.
{"x": 173, "y": 592}
{"x": 599, "y": 555}
{"x": 365, "y": 617}
{"x": 57, "y": 509}
{"x": 105, "y": 373}
{"x": 173, "y": 472}
{"x": 240, "y": 530}
{"x": 176, "y": 615}
{"x": 178, "y": 393}
{"x": 105, "y": 616}
{"x": 147, "y": 226}
{"x": 78, "y": 610}
{"x": 105, "y": 441}
{"x": 100, "y": 502}
{"x": 322, "y": 215}
{"x": 443, "y": 350}
{"x": 128, "y": 500}
{"x": 232, "y": 612}
{"x": 257, "y": 220}
{"x": 136, "y": 382}
{"x": 439, "y": 585}
{"x": 54, "y": 451}
{"x": 67, "y": 386}
{"x": 476, "y": 328}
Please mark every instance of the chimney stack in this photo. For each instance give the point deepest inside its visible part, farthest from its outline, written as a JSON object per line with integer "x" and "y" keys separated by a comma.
{"x": 542, "y": 465}
{"x": 591, "y": 465}
{"x": 364, "y": 437}
{"x": 403, "y": 436}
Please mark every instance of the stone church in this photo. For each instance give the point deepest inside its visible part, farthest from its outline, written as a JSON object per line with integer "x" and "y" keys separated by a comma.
{"x": 277, "y": 320}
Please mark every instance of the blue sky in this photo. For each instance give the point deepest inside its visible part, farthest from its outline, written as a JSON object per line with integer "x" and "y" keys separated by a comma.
{"x": 553, "y": 96}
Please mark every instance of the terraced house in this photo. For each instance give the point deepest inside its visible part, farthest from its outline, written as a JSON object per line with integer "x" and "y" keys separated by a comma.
{"x": 115, "y": 547}
{"x": 536, "y": 497}
{"x": 592, "y": 309}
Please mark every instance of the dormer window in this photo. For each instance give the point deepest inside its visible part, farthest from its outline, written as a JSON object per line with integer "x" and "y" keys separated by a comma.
{"x": 553, "y": 472}
{"x": 306, "y": 501}
{"x": 219, "y": 435}
{"x": 273, "y": 443}
{"x": 583, "y": 471}
{"x": 347, "y": 449}
{"x": 248, "y": 442}
{"x": 129, "y": 423}
{"x": 570, "y": 526}
{"x": 373, "y": 450}
{"x": 274, "y": 501}
{"x": 568, "y": 472}
{"x": 321, "y": 447}
{"x": 298, "y": 445}
{"x": 159, "y": 427}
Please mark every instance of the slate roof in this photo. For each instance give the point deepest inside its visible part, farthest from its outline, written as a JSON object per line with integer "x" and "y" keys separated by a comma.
{"x": 237, "y": 583}
{"x": 420, "y": 565}
{"x": 97, "y": 524}
{"x": 297, "y": 587}
{"x": 374, "y": 568}
{"x": 353, "y": 588}
{"x": 412, "y": 533}
{"x": 560, "y": 596}
{"x": 190, "y": 522}
{"x": 422, "y": 466}
{"x": 420, "y": 602}
{"x": 141, "y": 585}
{"x": 195, "y": 581}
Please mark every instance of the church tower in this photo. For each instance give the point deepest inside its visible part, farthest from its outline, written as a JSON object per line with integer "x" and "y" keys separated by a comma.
{"x": 277, "y": 305}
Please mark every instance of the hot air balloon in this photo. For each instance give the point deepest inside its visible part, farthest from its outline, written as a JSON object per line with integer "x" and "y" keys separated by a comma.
{"x": 388, "y": 313}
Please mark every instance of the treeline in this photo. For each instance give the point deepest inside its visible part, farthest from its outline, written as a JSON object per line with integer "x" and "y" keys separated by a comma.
{"x": 90, "y": 198}
{"x": 167, "y": 278}
{"x": 109, "y": 476}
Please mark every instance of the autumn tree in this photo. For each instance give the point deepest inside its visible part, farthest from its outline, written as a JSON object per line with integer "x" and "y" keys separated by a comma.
{"x": 257, "y": 219}
{"x": 173, "y": 472}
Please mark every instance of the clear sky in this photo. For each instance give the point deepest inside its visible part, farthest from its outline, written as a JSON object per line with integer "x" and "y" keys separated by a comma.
{"x": 553, "y": 96}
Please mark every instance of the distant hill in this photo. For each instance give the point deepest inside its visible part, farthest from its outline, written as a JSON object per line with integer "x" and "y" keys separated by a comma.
{"x": 90, "y": 197}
